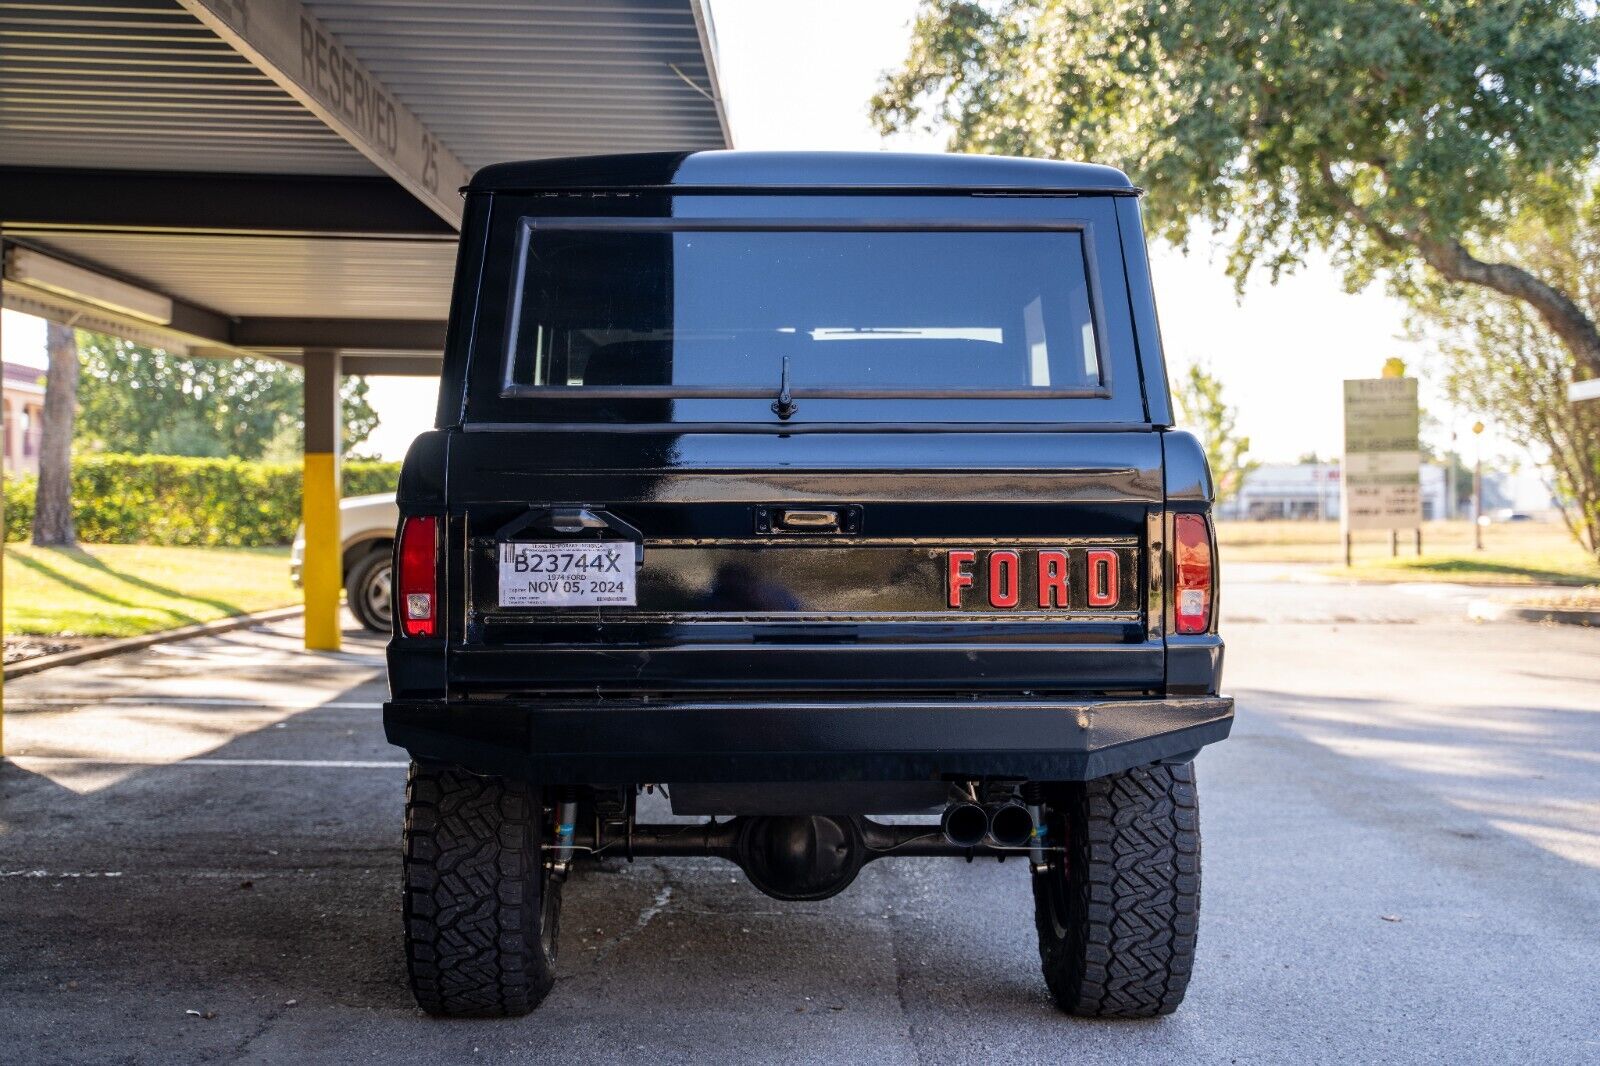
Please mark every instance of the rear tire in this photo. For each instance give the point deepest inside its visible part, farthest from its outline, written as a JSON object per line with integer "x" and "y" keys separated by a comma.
{"x": 481, "y": 911}
{"x": 368, "y": 589}
{"x": 1117, "y": 912}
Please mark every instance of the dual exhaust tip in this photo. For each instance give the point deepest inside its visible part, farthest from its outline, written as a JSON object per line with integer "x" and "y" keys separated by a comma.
{"x": 1005, "y": 825}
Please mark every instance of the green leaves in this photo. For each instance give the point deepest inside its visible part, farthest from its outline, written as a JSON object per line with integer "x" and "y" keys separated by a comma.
{"x": 1500, "y": 360}
{"x": 147, "y": 401}
{"x": 170, "y": 500}
{"x": 1261, "y": 119}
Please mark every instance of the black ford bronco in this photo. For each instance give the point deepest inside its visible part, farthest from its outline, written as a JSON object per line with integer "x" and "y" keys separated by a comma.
{"x": 815, "y": 492}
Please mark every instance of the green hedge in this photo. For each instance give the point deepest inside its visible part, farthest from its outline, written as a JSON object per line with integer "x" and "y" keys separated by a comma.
{"x": 164, "y": 499}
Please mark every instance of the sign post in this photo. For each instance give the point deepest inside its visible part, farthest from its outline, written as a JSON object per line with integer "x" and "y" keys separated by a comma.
{"x": 1477, "y": 488}
{"x": 1382, "y": 485}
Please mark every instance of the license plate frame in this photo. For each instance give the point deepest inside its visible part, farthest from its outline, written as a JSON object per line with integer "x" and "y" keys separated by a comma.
{"x": 602, "y": 573}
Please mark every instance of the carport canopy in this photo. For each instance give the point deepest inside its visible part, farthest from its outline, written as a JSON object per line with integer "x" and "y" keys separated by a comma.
{"x": 281, "y": 178}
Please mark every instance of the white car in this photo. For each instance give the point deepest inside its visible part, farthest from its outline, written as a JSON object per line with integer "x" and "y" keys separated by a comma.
{"x": 366, "y": 534}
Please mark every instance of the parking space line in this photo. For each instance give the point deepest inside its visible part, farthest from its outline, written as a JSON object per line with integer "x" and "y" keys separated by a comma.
{"x": 189, "y": 701}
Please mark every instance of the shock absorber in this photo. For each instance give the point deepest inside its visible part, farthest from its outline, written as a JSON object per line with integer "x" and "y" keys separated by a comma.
{"x": 1033, "y": 799}
{"x": 566, "y": 826}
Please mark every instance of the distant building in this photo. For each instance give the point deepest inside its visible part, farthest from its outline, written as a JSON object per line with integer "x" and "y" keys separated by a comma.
{"x": 23, "y": 396}
{"x": 1286, "y": 490}
{"x": 1435, "y": 492}
{"x": 1311, "y": 491}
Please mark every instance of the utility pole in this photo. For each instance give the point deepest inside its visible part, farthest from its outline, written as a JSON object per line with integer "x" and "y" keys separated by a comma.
{"x": 1453, "y": 491}
{"x": 1477, "y": 489}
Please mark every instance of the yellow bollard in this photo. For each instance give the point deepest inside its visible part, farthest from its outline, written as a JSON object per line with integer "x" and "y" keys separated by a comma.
{"x": 321, "y": 571}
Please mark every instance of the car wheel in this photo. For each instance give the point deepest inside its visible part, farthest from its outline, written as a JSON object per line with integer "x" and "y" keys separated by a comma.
{"x": 481, "y": 908}
{"x": 368, "y": 590}
{"x": 1117, "y": 907}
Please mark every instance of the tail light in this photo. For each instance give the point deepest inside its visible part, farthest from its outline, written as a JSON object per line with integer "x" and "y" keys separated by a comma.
{"x": 418, "y": 602}
{"x": 1194, "y": 572}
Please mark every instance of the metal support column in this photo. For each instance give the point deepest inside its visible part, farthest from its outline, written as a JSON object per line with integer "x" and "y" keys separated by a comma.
{"x": 322, "y": 571}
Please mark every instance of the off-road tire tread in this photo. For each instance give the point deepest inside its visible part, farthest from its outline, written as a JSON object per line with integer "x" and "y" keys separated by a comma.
{"x": 472, "y": 901}
{"x": 1132, "y": 900}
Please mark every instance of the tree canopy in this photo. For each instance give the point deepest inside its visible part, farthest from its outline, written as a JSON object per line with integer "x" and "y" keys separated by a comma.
{"x": 1498, "y": 358}
{"x": 1397, "y": 134}
{"x": 147, "y": 401}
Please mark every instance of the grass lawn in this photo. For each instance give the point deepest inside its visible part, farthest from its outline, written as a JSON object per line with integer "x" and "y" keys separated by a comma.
{"x": 123, "y": 590}
{"x": 1514, "y": 553}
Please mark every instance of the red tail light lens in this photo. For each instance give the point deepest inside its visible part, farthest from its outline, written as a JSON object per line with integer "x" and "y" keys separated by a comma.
{"x": 1193, "y": 584}
{"x": 417, "y": 602}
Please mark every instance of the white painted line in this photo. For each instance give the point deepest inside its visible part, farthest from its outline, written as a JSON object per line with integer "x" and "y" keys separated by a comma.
{"x": 306, "y": 764}
{"x": 188, "y": 701}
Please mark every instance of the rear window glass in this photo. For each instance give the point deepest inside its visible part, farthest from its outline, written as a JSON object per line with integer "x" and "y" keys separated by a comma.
{"x": 718, "y": 312}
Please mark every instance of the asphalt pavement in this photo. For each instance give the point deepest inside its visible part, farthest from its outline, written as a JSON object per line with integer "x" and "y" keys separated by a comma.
{"x": 199, "y": 861}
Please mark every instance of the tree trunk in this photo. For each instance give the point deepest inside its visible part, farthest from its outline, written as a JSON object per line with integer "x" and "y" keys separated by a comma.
{"x": 52, "y": 514}
{"x": 1558, "y": 310}
{"x": 1555, "y": 308}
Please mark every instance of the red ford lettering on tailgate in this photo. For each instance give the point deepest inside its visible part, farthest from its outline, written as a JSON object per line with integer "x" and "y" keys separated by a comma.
{"x": 1103, "y": 581}
{"x": 1053, "y": 579}
{"x": 997, "y": 576}
{"x": 1004, "y": 578}
{"x": 959, "y": 577}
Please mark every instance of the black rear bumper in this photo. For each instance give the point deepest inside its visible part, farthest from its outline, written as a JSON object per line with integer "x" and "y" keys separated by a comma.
{"x": 619, "y": 742}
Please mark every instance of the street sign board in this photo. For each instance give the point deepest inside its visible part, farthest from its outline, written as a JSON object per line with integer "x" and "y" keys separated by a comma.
{"x": 1579, "y": 391}
{"x": 1382, "y": 459}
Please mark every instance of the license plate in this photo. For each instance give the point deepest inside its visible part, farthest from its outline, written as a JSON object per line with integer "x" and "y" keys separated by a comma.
{"x": 567, "y": 575}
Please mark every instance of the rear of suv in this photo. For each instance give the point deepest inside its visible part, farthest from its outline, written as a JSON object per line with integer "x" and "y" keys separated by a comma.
{"x": 834, "y": 494}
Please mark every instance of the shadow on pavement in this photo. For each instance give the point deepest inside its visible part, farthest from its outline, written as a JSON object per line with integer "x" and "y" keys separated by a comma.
{"x": 204, "y": 881}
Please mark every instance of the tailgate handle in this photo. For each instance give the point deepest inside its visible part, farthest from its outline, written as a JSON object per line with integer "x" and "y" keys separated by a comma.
{"x": 817, "y": 521}
{"x": 771, "y": 519}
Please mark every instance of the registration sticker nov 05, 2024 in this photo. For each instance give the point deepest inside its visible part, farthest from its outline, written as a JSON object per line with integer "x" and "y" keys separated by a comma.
{"x": 592, "y": 574}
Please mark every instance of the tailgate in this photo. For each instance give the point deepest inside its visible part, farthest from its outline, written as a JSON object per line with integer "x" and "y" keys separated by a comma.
{"x": 827, "y": 563}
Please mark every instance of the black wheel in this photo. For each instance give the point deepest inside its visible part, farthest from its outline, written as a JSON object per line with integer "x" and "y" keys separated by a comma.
{"x": 1117, "y": 911}
{"x": 368, "y": 591}
{"x": 481, "y": 910}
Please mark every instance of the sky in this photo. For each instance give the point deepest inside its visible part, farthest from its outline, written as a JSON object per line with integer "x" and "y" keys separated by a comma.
{"x": 22, "y": 338}
{"x": 799, "y": 75}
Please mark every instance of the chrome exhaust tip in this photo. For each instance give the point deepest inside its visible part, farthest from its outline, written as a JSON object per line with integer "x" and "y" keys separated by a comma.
{"x": 1010, "y": 826}
{"x": 964, "y": 824}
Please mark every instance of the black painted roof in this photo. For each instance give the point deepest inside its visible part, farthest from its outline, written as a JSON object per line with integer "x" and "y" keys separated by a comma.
{"x": 801, "y": 170}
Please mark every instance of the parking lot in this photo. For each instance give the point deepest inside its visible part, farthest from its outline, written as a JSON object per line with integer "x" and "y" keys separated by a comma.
{"x": 199, "y": 861}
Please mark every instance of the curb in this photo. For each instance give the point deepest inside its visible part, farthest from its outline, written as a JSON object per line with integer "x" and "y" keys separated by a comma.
{"x": 1495, "y": 611}
{"x": 166, "y": 636}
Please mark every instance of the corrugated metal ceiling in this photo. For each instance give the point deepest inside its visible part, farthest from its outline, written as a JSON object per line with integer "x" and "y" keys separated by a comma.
{"x": 141, "y": 84}
{"x": 282, "y": 276}
{"x": 527, "y": 79}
